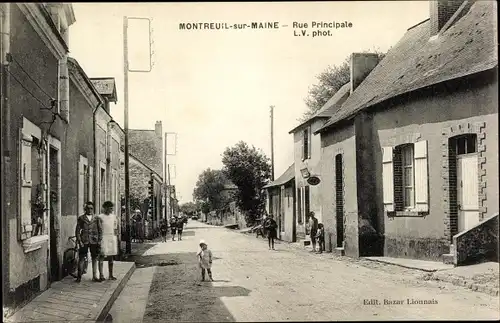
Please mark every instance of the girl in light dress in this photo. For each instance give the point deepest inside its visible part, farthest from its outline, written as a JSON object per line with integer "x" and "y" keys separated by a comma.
{"x": 205, "y": 260}
{"x": 109, "y": 243}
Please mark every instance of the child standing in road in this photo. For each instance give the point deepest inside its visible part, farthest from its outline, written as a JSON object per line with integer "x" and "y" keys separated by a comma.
{"x": 320, "y": 237}
{"x": 205, "y": 260}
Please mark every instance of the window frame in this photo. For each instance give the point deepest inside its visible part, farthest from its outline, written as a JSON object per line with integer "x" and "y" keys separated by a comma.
{"x": 404, "y": 185}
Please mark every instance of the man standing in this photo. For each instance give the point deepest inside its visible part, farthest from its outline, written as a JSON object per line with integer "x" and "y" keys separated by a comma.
{"x": 313, "y": 222}
{"x": 88, "y": 234}
{"x": 109, "y": 244}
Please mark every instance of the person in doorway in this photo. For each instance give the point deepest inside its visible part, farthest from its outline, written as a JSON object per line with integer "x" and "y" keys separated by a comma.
{"x": 270, "y": 226}
{"x": 109, "y": 242}
{"x": 205, "y": 260}
{"x": 320, "y": 237}
{"x": 173, "y": 227}
{"x": 88, "y": 234}
{"x": 313, "y": 223}
{"x": 163, "y": 230}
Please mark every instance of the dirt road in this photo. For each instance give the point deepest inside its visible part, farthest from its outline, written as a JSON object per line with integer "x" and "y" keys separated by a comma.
{"x": 253, "y": 283}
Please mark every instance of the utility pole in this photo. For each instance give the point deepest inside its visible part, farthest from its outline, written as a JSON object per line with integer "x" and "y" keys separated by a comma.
{"x": 272, "y": 143}
{"x": 128, "y": 246}
{"x": 165, "y": 180}
{"x": 126, "y": 70}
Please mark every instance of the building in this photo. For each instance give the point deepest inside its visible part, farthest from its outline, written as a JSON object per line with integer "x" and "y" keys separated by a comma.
{"x": 108, "y": 138}
{"x": 36, "y": 115}
{"x": 146, "y": 187}
{"x": 281, "y": 204}
{"x": 423, "y": 121}
{"x": 147, "y": 145}
{"x": 307, "y": 156}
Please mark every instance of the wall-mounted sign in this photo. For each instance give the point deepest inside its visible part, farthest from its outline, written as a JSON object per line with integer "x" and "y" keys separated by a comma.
{"x": 313, "y": 180}
{"x": 305, "y": 173}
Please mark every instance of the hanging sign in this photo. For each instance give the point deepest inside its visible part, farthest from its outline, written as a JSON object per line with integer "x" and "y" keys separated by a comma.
{"x": 313, "y": 180}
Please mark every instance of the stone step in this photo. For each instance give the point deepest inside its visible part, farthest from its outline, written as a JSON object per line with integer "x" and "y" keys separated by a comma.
{"x": 339, "y": 251}
{"x": 448, "y": 259}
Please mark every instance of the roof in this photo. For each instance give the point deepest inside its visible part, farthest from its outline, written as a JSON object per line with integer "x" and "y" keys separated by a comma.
{"x": 416, "y": 61}
{"x": 106, "y": 86}
{"x": 287, "y": 176}
{"x": 73, "y": 62}
{"x": 330, "y": 107}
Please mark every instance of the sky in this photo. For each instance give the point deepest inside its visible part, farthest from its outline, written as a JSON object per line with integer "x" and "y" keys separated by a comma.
{"x": 214, "y": 87}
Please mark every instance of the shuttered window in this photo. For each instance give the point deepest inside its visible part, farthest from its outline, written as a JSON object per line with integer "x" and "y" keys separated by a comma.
{"x": 405, "y": 178}
{"x": 81, "y": 183}
{"x": 91, "y": 184}
{"x": 388, "y": 178}
{"x": 421, "y": 177}
{"x": 306, "y": 143}
{"x": 26, "y": 185}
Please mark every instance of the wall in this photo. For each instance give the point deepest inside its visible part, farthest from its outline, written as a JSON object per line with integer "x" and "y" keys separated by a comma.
{"x": 429, "y": 115}
{"x": 289, "y": 207}
{"x": 478, "y": 244}
{"x": 147, "y": 146}
{"x": 312, "y": 165}
{"x": 341, "y": 140}
{"x": 79, "y": 140}
{"x": 43, "y": 67}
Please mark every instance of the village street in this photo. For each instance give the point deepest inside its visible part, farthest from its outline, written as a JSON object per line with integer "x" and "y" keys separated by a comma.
{"x": 253, "y": 283}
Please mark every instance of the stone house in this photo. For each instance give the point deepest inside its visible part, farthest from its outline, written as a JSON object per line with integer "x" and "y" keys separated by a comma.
{"x": 35, "y": 118}
{"x": 142, "y": 179}
{"x": 307, "y": 155}
{"x": 410, "y": 160}
{"x": 281, "y": 204}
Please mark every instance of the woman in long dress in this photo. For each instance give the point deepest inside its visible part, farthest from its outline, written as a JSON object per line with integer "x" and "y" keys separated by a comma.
{"x": 109, "y": 242}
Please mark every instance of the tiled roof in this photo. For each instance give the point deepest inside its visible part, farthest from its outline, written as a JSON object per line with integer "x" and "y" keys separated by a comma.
{"x": 287, "y": 176}
{"x": 416, "y": 61}
{"x": 329, "y": 108}
{"x": 105, "y": 86}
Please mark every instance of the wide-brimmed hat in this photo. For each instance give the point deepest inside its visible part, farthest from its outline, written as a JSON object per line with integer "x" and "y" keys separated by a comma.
{"x": 202, "y": 242}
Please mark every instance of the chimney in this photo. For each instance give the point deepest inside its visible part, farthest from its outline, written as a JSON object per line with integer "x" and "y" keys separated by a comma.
{"x": 361, "y": 65}
{"x": 158, "y": 130}
{"x": 440, "y": 13}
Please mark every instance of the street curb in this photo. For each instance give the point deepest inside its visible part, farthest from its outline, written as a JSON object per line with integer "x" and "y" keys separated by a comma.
{"x": 459, "y": 281}
{"x": 102, "y": 313}
{"x": 399, "y": 265}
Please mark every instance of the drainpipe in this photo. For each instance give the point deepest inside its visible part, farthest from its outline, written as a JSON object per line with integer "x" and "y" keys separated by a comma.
{"x": 5, "y": 132}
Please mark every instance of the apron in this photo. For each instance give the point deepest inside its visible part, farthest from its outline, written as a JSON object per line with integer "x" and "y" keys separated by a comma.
{"x": 109, "y": 244}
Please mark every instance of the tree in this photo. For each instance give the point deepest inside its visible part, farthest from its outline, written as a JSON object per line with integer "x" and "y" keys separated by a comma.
{"x": 209, "y": 187}
{"x": 188, "y": 208}
{"x": 249, "y": 169}
{"x": 329, "y": 82}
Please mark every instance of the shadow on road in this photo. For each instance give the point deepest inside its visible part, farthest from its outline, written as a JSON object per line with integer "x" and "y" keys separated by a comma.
{"x": 178, "y": 295}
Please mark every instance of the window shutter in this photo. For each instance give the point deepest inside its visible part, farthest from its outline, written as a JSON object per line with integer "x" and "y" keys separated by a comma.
{"x": 388, "y": 175}
{"x": 421, "y": 177}
{"x": 81, "y": 183}
{"x": 26, "y": 185}
{"x": 91, "y": 183}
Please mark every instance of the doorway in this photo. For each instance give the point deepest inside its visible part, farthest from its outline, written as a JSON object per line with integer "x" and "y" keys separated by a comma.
{"x": 467, "y": 184}
{"x": 54, "y": 211}
{"x": 339, "y": 199}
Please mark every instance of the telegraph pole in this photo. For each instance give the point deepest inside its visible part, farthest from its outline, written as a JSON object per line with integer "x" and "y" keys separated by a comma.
{"x": 126, "y": 70}
{"x": 128, "y": 246}
{"x": 272, "y": 143}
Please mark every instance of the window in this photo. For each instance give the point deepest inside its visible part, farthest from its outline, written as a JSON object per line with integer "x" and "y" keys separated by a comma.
{"x": 466, "y": 144}
{"x": 405, "y": 177}
{"x": 408, "y": 193}
{"x": 103, "y": 187}
{"x": 306, "y": 144}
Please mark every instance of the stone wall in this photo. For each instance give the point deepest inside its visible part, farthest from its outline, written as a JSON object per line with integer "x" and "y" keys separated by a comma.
{"x": 477, "y": 244}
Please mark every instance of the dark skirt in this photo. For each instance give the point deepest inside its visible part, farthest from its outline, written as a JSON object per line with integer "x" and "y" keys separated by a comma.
{"x": 173, "y": 230}
{"x": 271, "y": 233}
